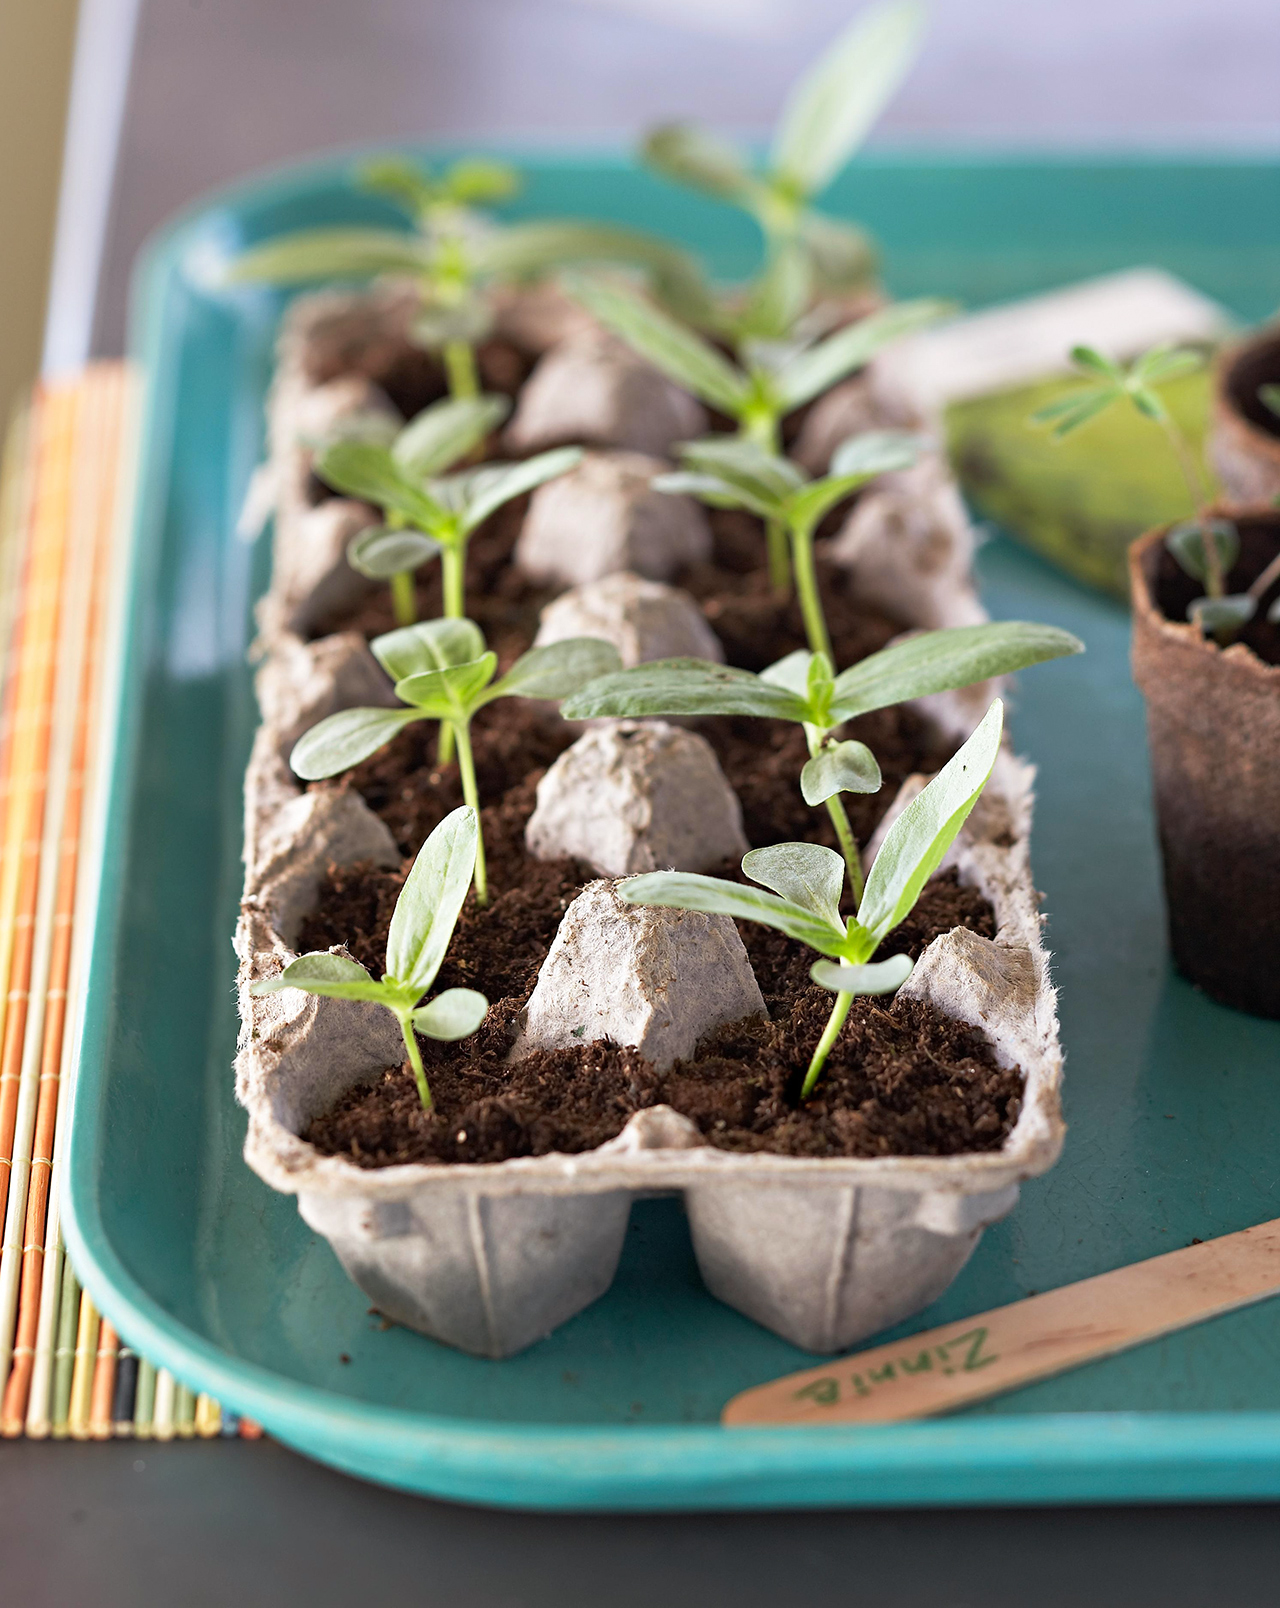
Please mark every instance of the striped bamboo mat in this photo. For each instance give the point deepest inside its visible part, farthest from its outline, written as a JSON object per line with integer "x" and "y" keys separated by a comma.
{"x": 65, "y": 498}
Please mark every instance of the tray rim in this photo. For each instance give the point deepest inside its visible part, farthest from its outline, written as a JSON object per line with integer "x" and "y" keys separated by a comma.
{"x": 1076, "y": 1457}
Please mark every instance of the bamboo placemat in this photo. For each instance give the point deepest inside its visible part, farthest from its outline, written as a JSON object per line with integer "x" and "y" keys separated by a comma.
{"x": 65, "y": 503}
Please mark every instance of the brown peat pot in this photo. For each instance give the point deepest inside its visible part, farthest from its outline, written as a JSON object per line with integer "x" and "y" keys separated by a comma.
{"x": 1213, "y": 717}
{"x": 1245, "y": 439}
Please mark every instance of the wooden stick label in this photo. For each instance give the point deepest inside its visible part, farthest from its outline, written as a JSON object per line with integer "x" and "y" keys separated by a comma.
{"x": 949, "y": 1367}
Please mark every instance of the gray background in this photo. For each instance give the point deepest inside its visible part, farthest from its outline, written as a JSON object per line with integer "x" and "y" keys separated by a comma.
{"x": 221, "y": 87}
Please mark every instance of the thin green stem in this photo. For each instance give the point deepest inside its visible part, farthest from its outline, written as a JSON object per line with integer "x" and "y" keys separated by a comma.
{"x": 452, "y": 579}
{"x": 848, "y": 844}
{"x": 471, "y": 795}
{"x": 460, "y": 366}
{"x": 1215, "y": 582}
{"x": 444, "y": 744}
{"x": 404, "y": 598}
{"x": 830, "y": 1033}
{"x": 761, "y": 426}
{"x": 415, "y": 1058}
{"x": 775, "y": 533}
{"x": 815, "y": 625}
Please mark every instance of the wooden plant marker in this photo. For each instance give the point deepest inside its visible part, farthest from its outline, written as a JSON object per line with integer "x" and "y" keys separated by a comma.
{"x": 949, "y": 1367}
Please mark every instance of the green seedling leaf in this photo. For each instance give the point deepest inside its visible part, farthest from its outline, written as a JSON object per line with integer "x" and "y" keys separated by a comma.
{"x": 559, "y": 669}
{"x": 429, "y": 902}
{"x": 680, "y": 890}
{"x": 405, "y": 184}
{"x": 682, "y": 355}
{"x": 880, "y": 977}
{"x": 940, "y": 661}
{"x": 693, "y": 156}
{"x": 455, "y": 1014}
{"x": 1166, "y": 363}
{"x": 429, "y": 645}
{"x": 476, "y": 180}
{"x": 333, "y": 976}
{"x": 527, "y": 249}
{"x": 445, "y": 693}
{"x": 793, "y": 672}
{"x": 682, "y": 687}
{"x": 344, "y": 739}
{"x": 1222, "y": 616}
{"x": 365, "y": 470}
{"x": 831, "y": 110}
{"x": 757, "y": 480}
{"x": 445, "y": 432}
{"x": 917, "y": 841}
{"x": 823, "y": 365}
{"x": 804, "y": 874}
{"x": 1088, "y": 358}
{"x": 1068, "y": 413}
{"x": 380, "y": 553}
{"x": 486, "y": 489}
{"x": 328, "y": 254}
{"x": 1269, "y": 396}
{"x": 1187, "y": 544}
{"x": 848, "y": 767}
{"x": 877, "y": 452}
{"x": 706, "y": 488}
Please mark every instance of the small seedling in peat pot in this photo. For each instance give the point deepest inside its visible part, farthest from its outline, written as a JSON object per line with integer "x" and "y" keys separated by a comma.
{"x": 456, "y": 253}
{"x": 774, "y": 377}
{"x": 421, "y": 927}
{"x": 443, "y": 671}
{"x": 828, "y": 115}
{"x": 428, "y": 512}
{"x": 805, "y": 883}
{"x": 803, "y": 688}
{"x": 1206, "y": 547}
{"x": 731, "y": 473}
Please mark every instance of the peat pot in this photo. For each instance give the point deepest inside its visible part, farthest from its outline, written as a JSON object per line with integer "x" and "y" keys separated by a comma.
{"x": 1213, "y": 719}
{"x": 1245, "y": 439}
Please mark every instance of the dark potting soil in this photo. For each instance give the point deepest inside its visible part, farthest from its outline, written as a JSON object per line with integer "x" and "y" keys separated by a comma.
{"x": 1174, "y": 589}
{"x": 902, "y": 1080}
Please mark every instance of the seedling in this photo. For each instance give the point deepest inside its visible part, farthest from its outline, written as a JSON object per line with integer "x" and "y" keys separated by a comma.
{"x": 1206, "y": 547}
{"x": 825, "y": 120}
{"x": 443, "y": 671}
{"x": 802, "y": 688}
{"x": 805, "y": 883}
{"x": 773, "y": 378}
{"x": 440, "y": 436}
{"x": 730, "y": 473}
{"x": 421, "y": 927}
{"x": 457, "y": 254}
{"x": 427, "y": 512}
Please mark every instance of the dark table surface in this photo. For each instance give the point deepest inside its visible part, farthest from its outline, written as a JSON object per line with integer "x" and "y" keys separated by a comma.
{"x": 208, "y": 1525}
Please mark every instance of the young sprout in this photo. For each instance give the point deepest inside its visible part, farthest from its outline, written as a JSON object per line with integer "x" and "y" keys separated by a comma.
{"x": 802, "y": 688}
{"x": 437, "y": 438}
{"x": 773, "y": 379}
{"x": 806, "y": 880}
{"x": 732, "y": 473}
{"x": 421, "y": 928}
{"x": 825, "y": 120}
{"x": 428, "y": 512}
{"x": 1205, "y": 547}
{"x": 457, "y": 254}
{"x": 443, "y": 671}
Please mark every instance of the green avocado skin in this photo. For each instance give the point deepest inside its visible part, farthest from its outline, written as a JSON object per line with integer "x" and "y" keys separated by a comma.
{"x": 1080, "y": 501}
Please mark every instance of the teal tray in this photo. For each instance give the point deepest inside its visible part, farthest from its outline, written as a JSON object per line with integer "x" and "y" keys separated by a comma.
{"x": 1173, "y": 1102}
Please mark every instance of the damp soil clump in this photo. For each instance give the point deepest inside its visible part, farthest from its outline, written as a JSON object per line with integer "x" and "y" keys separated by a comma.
{"x": 1173, "y": 589}
{"x": 901, "y": 1080}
